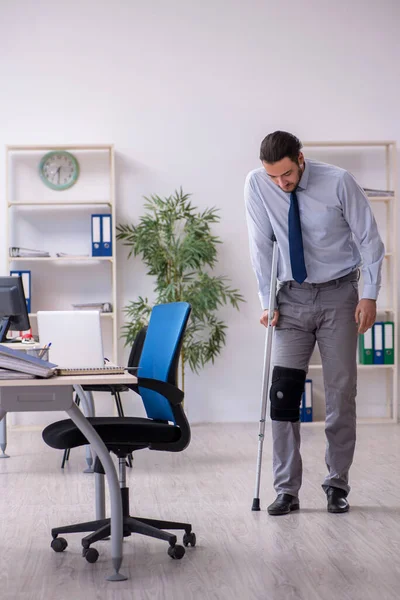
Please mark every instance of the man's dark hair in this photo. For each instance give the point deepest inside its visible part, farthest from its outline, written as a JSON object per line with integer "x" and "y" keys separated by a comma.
{"x": 278, "y": 145}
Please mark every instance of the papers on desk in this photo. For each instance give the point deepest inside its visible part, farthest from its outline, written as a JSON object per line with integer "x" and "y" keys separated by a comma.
{"x": 8, "y": 374}
{"x": 16, "y": 360}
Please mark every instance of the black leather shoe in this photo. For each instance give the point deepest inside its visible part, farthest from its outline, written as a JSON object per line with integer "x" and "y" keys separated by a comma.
{"x": 283, "y": 505}
{"x": 337, "y": 502}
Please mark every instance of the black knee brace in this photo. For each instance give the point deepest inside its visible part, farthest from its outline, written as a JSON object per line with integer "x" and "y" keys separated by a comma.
{"x": 286, "y": 390}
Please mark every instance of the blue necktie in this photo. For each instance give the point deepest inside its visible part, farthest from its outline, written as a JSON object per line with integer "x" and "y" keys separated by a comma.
{"x": 296, "y": 250}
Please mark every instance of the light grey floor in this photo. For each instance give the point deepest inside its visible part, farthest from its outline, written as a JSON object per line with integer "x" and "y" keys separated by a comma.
{"x": 309, "y": 555}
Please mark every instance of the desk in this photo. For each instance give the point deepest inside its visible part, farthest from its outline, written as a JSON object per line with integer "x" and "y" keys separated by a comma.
{"x": 56, "y": 393}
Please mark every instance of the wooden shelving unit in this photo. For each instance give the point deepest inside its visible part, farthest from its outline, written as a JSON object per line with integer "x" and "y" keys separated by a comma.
{"x": 389, "y": 311}
{"x": 42, "y": 202}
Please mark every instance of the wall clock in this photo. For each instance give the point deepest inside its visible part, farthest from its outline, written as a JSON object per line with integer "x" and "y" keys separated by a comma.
{"x": 59, "y": 169}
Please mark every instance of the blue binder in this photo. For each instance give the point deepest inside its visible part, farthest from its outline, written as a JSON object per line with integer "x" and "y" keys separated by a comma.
{"x": 306, "y": 409}
{"x": 26, "y": 282}
{"x": 96, "y": 235}
{"x": 106, "y": 236}
{"x": 379, "y": 353}
{"x": 101, "y": 235}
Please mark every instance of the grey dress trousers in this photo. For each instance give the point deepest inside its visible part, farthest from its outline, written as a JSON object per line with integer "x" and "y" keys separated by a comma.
{"x": 324, "y": 314}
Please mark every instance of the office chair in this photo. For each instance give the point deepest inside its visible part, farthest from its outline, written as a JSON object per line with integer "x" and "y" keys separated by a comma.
{"x": 116, "y": 390}
{"x": 165, "y": 429}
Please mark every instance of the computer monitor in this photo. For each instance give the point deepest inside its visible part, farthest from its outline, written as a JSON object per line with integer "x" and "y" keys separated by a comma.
{"x": 13, "y": 311}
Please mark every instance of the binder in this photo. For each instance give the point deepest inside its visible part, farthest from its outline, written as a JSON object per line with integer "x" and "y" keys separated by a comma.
{"x": 378, "y": 344}
{"x": 96, "y": 235}
{"x": 26, "y": 283}
{"x": 306, "y": 409}
{"x": 388, "y": 342}
{"x": 101, "y": 235}
{"x": 366, "y": 348}
{"x": 106, "y": 243}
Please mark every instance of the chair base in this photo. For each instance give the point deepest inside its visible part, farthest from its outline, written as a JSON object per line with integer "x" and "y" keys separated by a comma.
{"x": 101, "y": 529}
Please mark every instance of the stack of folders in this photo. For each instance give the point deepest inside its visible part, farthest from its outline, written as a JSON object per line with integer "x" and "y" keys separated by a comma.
{"x": 376, "y": 346}
{"x": 15, "y": 364}
{"x": 306, "y": 407}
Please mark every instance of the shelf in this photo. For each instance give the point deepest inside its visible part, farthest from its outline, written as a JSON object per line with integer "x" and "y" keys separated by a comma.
{"x": 106, "y": 315}
{"x": 381, "y": 198}
{"x": 360, "y": 421}
{"x": 359, "y": 367}
{"x": 60, "y": 258}
{"x": 366, "y": 143}
{"x": 71, "y": 203}
{"x": 21, "y": 148}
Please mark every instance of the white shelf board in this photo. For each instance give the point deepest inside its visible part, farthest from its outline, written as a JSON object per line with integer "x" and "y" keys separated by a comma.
{"x": 380, "y": 198}
{"x": 72, "y": 203}
{"x": 362, "y": 367}
{"x": 21, "y": 148}
{"x": 360, "y": 421}
{"x": 60, "y": 258}
{"x": 106, "y": 315}
{"x": 349, "y": 143}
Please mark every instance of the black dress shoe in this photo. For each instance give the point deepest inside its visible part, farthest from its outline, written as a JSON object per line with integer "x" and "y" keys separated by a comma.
{"x": 337, "y": 502}
{"x": 283, "y": 505}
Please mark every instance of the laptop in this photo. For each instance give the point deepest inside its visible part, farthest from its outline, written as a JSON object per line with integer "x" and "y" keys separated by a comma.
{"x": 76, "y": 341}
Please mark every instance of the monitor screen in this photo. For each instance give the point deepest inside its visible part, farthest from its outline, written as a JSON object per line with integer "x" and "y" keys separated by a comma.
{"x": 13, "y": 311}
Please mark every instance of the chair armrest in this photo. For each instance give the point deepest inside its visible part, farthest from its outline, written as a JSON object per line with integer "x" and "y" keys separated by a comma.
{"x": 172, "y": 393}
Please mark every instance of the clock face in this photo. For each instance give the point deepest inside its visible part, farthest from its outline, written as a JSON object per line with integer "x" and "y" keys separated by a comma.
{"x": 59, "y": 169}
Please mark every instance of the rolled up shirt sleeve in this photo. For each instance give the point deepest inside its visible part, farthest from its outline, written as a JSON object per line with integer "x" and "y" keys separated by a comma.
{"x": 360, "y": 218}
{"x": 260, "y": 240}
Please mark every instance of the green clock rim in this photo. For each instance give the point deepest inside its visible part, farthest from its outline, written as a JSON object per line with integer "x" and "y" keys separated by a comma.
{"x": 54, "y": 186}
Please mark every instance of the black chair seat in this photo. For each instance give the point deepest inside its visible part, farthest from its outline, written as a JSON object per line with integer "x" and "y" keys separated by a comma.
{"x": 114, "y": 431}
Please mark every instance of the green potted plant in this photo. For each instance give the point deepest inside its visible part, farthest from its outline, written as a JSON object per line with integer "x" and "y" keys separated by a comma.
{"x": 176, "y": 244}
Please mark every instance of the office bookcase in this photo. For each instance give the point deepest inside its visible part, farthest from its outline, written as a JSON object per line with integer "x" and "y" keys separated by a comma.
{"x": 60, "y": 222}
{"x": 373, "y": 163}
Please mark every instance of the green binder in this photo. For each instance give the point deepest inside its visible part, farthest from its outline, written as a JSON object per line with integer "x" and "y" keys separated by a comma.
{"x": 388, "y": 337}
{"x": 366, "y": 348}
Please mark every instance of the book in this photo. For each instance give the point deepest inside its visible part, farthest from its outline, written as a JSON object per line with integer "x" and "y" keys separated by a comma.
{"x": 16, "y": 252}
{"x": 16, "y": 360}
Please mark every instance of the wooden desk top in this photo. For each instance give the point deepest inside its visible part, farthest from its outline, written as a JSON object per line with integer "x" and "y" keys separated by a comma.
{"x": 125, "y": 379}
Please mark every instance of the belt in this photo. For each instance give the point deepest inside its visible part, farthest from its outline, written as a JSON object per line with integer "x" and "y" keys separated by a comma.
{"x": 352, "y": 276}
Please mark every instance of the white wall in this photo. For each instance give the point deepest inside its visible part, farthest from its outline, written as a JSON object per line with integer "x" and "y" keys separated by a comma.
{"x": 186, "y": 91}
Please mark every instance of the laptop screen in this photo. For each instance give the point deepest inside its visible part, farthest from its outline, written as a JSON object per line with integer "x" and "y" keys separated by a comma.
{"x": 75, "y": 337}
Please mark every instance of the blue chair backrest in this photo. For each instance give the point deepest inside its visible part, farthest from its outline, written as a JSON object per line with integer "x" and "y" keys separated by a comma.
{"x": 160, "y": 354}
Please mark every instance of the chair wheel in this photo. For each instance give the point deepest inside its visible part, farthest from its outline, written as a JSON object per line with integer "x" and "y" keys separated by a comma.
{"x": 90, "y": 554}
{"x": 59, "y": 544}
{"x": 189, "y": 538}
{"x": 176, "y": 552}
